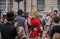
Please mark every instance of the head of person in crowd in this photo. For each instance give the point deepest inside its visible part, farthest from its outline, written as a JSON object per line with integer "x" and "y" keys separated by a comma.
{"x": 52, "y": 15}
{"x": 56, "y": 20}
{"x": 5, "y": 20}
{"x": 10, "y": 16}
{"x": 55, "y": 12}
{"x": 1, "y": 20}
{"x": 20, "y": 31}
{"x": 20, "y": 12}
{"x": 29, "y": 15}
{"x": 39, "y": 16}
{"x": 48, "y": 15}
{"x": 35, "y": 14}
{"x": 15, "y": 13}
{"x": 25, "y": 15}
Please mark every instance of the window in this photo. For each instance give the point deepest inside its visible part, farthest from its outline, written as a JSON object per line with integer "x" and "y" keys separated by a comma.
{"x": 2, "y": 5}
{"x": 40, "y": 5}
{"x": 58, "y": 3}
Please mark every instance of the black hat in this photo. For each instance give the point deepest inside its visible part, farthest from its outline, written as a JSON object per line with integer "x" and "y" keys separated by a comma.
{"x": 10, "y": 16}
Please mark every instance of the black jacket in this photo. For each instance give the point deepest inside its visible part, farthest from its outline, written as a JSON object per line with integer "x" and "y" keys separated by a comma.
{"x": 8, "y": 31}
{"x": 55, "y": 29}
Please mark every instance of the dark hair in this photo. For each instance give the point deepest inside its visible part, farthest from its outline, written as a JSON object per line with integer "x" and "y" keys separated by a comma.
{"x": 48, "y": 15}
{"x": 0, "y": 13}
{"x": 20, "y": 12}
{"x": 56, "y": 11}
{"x": 56, "y": 19}
{"x": 59, "y": 15}
{"x": 26, "y": 15}
{"x": 10, "y": 16}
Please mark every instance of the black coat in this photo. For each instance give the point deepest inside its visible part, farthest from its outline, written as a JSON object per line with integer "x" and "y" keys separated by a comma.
{"x": 53, "y": 30}
{"x": 8, "y": 31}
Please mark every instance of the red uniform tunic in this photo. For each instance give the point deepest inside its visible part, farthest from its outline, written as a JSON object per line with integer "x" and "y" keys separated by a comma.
{"x": 36, "y": 24}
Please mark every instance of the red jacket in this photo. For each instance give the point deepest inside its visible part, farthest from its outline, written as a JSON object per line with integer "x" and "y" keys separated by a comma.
{"x": 36, "y": 24}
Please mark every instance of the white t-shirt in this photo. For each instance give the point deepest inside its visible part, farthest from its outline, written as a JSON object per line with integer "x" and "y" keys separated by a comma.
{"x": 48, "y": 20}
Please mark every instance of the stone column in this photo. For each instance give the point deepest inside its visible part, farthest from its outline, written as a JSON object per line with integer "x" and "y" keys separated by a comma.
{"x": 15, "y": 5}
{"x": 6, "y": 6}
{"x": 28, "y": 5}
{"x": 21, "y": 6}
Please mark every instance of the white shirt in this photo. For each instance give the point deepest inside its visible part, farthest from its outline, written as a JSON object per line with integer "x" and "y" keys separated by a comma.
{"x": 48, "y": 20}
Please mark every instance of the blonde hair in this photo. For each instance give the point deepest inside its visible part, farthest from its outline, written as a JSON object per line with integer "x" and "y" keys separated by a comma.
{"x": 20, "y": 31}
{"x": 34, "y": 14}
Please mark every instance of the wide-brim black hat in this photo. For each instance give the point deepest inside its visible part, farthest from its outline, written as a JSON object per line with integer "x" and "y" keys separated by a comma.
{"x": 10, "y": 15}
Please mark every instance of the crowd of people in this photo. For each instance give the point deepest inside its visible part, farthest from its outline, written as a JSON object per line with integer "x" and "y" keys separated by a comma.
{"x": 20, "y": 25}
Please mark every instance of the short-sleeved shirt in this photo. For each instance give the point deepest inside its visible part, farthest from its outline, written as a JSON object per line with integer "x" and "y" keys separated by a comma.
{"x": 48, "y": 20}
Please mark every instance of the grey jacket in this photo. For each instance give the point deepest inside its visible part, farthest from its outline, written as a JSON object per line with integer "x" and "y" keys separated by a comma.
{"x": 21, "y": 22}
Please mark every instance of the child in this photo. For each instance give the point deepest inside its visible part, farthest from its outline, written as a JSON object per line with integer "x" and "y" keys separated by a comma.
{"x": 21, "y": 33}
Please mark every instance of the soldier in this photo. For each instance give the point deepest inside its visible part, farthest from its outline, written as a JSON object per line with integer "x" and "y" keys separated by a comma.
{"x": 8, "y": 31}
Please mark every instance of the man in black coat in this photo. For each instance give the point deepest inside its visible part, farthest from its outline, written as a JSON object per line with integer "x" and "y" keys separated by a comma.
{"x": 55, "y": 28}
{"x": 7, "y": 30}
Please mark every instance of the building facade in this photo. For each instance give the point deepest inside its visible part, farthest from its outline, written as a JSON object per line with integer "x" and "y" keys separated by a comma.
{"x": 26, "y": 5}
